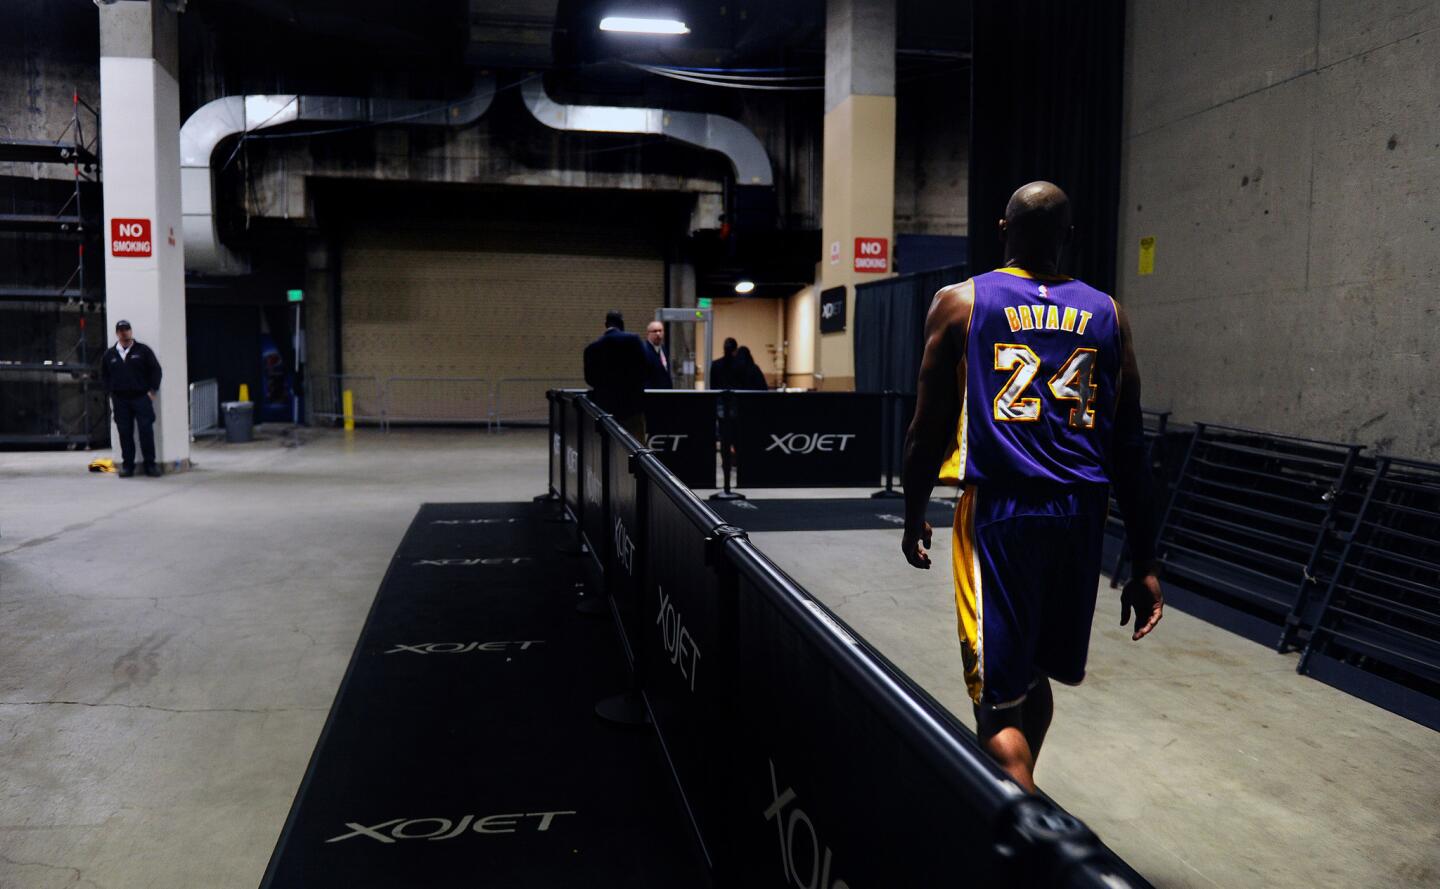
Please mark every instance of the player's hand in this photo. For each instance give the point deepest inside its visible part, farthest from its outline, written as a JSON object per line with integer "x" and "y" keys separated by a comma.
{"x": 915, "y": 545}
{"x": 1142, "y": 594}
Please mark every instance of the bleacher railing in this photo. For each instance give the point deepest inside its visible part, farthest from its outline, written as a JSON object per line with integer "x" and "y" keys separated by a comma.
{"x": 801, "y": 755}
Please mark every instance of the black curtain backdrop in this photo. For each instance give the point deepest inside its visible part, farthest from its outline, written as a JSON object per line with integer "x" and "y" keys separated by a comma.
{"x": 890, "y": 328}
{"x": 1045, "y": 103}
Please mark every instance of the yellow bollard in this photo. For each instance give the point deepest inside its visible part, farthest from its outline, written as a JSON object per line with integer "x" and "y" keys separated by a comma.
{"x": 244, "y": 392}
{"x": 348, "y": 397}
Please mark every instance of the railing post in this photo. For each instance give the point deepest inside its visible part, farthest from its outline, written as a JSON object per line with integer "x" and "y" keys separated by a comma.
{"x": 729, "y": 421}
{"x": 888, "y": 428}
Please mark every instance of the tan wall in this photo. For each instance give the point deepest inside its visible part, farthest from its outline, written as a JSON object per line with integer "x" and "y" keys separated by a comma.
{"x": 859, "y": 201}
{"x": 801, "y": 328}
{"x": 487, "y": 301}
{"x": 757, "y": 323}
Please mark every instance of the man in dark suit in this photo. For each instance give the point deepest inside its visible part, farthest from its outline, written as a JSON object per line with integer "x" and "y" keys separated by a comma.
{"x": 131, "y": 374}
{"x": 659, "y": 375}
{"x": 616, "y": 368}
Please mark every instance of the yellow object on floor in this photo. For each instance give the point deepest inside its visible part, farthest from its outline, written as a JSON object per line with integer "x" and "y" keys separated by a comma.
{"x": 244, "y": 392}
{"x": 102, "y": 464}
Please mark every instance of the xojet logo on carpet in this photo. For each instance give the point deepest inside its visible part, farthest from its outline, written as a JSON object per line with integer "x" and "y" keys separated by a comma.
{"x": 813, "y": 873}
{"x": 668, "y": 442}
{"x": 494, "y": 562}
{"x": 810, "y": 442}
{"x": 436, "y": 829}
{"x": 463, "y": 647}
{"x": 509, "y": 521}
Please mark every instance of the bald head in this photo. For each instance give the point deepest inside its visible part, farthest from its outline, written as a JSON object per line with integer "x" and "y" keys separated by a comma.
{"x": 1036, "y": 226}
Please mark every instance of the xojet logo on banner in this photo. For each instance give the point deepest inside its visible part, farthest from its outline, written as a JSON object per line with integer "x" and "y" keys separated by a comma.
{"x": 678, "y": 642}
{"x": 810, "y": 442}
{"x": 624, "y": 548}
{"x": 572, "y": 460}
{"x": 810, "y": 868}
{"x": 494, "y": 562}
{"x": 435, "y": 829}
{"x": 666, "y": 442}
{"x": 463, "y": 647}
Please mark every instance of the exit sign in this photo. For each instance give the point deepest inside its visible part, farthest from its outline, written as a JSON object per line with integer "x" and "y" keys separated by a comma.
{"x": 705, "y": 302}
{"x": 872, "y": 254}
{"x": 295, "y": 296}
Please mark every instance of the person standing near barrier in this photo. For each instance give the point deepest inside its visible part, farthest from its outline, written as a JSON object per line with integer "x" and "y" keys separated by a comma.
{"x": 658, "y": 376}
{"x": 130, "y": 372}
{"x": 748, "y": 374}
{"x": 615, "y": 369}
{"x": 1029, "y": 397}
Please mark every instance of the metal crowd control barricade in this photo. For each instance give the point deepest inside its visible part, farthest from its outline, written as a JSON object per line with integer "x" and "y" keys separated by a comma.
{"x": 1380, "y": 611}
{"x": 327, "y": 397}
{"x": 801, "y": 756}
{"x": 520, "y": 401}
{"x": 1246, "y": 525}
{"x": 441, "y": 401}
{"x": 204, "y": 408}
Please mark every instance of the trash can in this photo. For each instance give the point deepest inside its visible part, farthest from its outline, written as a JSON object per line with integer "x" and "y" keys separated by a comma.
{"x": 239, "y": 420}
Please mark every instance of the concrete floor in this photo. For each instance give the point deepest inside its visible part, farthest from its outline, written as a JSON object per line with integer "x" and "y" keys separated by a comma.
{"x": 169, "y": 649}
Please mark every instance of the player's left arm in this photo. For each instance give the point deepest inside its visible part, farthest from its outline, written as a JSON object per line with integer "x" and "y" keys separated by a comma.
{"x": 1130, "y": 476}
{"x": 937, "y": 410}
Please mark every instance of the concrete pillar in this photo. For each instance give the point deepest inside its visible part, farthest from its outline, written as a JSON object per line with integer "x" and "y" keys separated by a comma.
{"x": 140, "y": 159}
{"x": 858, "y": 210}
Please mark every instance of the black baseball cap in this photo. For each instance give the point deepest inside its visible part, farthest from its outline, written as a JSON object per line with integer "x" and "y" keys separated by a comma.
{"x": 122, "y": 324}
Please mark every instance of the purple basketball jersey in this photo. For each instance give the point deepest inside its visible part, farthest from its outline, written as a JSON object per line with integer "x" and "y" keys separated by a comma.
{"x": 1042, "y": 369}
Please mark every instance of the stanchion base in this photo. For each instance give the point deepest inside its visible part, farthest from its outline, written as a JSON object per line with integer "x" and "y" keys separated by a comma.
{"x": 593, "y": 605}
{"x": 887, "y": 494}
{"x": 626, "y": 709}
{"x": 726, "y": 495}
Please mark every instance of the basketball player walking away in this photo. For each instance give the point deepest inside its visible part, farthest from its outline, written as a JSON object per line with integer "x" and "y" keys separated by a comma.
{"x": 1029, "y": 397}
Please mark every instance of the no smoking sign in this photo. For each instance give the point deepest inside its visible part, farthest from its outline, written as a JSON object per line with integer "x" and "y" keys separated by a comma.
{"x": 130, "y": 237}
{"x": 872, "y": 254}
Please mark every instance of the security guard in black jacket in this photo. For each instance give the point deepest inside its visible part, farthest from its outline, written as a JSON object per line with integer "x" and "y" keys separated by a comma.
{"x": 131, "y": 375}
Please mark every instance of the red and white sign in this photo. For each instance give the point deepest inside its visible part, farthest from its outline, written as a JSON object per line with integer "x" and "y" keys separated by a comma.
{"x": 834, "y": 252}
{"x": 872, "y": 254}
{"x": 130, "y": 237}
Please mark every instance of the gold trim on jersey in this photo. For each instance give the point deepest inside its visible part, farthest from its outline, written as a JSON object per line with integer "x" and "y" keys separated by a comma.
{"x": 969, "y": 594}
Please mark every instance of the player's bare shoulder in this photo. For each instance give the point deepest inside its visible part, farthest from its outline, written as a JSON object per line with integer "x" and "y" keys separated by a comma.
{"x": 951, "y": 308}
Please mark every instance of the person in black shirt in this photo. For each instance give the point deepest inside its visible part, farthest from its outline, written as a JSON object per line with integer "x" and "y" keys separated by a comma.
{"x": 615, "y": 368}
{"x": 747, "y": 373}
{"x": 131, "y": 375}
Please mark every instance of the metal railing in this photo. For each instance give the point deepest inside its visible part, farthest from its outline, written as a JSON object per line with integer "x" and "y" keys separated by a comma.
{"x": 327, "y": 397}
{"x": 520, "y": 401}
{"x": 204, "y": 407}
{"x": 437, "y": 400}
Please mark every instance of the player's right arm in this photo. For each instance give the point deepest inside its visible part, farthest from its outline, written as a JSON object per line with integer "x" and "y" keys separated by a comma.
{"x": 937, "y": 411}
{"x": 1130, "y": 476}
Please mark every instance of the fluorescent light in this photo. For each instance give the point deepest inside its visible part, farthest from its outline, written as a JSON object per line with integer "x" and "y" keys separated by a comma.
{"x": 630, "y": 25}
{"x": 744, "y": 286}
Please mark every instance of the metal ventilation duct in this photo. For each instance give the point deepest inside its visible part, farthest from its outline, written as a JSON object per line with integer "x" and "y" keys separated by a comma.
{"x": 710, "y": 131}
{"x": 217, "y": 120}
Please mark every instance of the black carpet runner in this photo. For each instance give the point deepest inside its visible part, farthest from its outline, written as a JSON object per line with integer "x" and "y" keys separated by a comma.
{"x": 850, "y": 514}
{"x": 462, "y": 749}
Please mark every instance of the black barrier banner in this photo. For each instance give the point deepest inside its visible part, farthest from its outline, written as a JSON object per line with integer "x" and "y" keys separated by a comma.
{"x": 569, "y": 418}
{"x": 832, "y": 794}
{"x": 625, "y": 533}
{"x": 685, "y": 665}
{"x": 557, "y": 447}
{"x": 592, "y": 482}
{"x": 815, "y": 439}
{"x": 680, "y": 427}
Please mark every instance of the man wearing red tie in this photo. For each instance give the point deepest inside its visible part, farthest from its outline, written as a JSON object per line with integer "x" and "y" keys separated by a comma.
{"x": 658, "y": 375}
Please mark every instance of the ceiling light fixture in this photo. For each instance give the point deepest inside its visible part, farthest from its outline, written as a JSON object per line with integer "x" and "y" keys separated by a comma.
{"x": 744, "y": 286}
{"x": 629, "y": 25}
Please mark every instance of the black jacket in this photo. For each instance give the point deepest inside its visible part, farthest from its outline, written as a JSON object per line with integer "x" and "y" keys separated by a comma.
{"x": 137, "y": 374}
{"x": 657, "y": 377}
{"x": 616, "y": 368}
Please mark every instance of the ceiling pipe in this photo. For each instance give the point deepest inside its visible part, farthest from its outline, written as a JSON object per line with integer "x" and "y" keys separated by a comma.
{"x": 215, "y": 121}
{"x": 709, "y": 131}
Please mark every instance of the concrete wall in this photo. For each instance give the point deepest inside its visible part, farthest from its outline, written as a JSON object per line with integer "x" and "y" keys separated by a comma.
{"x": 1286, "y": 158}
{"x": 932, "y": 155}
{"x": 800, "y": 333}
{"x": 757, "y": 323}
{"x": 48, "y": 53}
